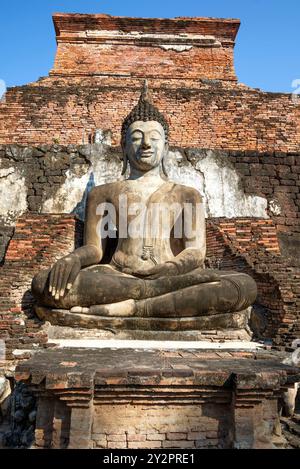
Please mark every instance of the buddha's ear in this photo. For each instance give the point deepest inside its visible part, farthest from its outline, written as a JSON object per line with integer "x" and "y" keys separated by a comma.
{"x": 124, "y": 159}
{"x": 163, "y": 167}
{"x": 125, "y": 164}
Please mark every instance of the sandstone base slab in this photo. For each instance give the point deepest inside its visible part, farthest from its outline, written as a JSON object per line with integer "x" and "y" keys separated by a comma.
{"x": 221, "y": 322}
{"x": 56, "y": 333}
{"x": 124, "y": 398}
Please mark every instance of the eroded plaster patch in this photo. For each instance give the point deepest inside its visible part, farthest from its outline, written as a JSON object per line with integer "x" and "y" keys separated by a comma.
{"x": 71, "y": 196}
{"x": 68, "y": 195}
{"x": 218, "y": 183}
{"x": 176, "y": 47}
{"x": 13, "y": 195}
{"x": 274, "y": 207}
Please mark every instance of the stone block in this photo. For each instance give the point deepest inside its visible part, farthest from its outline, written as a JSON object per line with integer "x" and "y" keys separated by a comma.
{"x": 144, "y": 444}
{"x": 176, "y": 436}
{"x": 197, "y": 435}
{"x": 136, "y": 437}
{"x": 117, "y": 445}
{"x": 116, "y": 438}
{"x": 156, "y": 436}
{"x": 178, "y": 444}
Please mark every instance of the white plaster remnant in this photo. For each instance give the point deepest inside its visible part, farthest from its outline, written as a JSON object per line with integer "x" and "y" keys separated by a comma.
{"x": 274, "y": 207}
{"x": 23, "y": 353}
{"x": 4, "y": 389}
{"x": 289, "y": 397}
{"x": 184, "y": 173}
{"x": 176, "y": 47}
{"x": 219, "y": 184}
{"x": 68, "y": 195}
{"x": 102, "y": 136}
{"x": 225, "y": 198}
{"x": 114, "y": 35}
{"x": 13, "y": 195}
{"x": 4, "y": 172}
{"x": 71, "y": 196}
{"x": 104, "y": 170}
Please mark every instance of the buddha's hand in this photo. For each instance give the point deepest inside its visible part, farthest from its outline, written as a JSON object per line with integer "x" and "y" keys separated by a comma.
{"x": 168, "y": 269}
{"x": 63, "y": 275}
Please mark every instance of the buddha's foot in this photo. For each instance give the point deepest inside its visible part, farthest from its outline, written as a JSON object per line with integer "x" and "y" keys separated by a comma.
{"x": 125, "y": 308}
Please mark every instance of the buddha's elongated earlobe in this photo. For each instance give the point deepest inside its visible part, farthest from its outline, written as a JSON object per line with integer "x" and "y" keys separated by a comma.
{"x": 163, "y": 167}
{"x": 125, "y": 164}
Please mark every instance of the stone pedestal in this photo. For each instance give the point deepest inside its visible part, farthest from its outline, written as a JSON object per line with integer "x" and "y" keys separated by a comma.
{"x": 129, "y": 398}
{"x": 235, "y": 323}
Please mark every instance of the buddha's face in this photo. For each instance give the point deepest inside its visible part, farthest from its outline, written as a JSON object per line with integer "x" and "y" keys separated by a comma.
{"x": 145, "y": 144}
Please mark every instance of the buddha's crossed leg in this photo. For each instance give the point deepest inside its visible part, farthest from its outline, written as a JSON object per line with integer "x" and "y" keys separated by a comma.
{"x": 102, "y": 284}
{"x": 102, "y": 291}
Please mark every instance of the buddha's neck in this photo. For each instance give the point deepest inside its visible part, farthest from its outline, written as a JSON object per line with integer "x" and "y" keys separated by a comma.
{"x": 152, "y": 174}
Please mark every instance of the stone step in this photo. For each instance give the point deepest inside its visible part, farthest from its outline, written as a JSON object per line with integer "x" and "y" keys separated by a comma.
{"x": 291, "y": 426}
{"x": 293, "y": 440}
{"x": 296, "y": 418}
{"x": 280, "y": 442}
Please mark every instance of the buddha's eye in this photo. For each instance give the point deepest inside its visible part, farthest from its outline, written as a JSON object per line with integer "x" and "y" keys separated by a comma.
{"x": 155, "y": 136}
{"x": 136, "y": 138}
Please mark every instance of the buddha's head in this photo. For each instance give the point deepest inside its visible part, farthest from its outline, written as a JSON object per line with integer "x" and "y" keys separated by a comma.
{"x": 144, "y": 136}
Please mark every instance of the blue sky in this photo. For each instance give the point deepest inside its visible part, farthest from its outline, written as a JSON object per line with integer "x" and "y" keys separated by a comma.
{"x": 267, "y": 53}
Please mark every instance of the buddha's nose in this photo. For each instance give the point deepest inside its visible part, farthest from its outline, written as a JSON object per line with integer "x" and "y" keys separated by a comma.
{"x": 146, "y": 142}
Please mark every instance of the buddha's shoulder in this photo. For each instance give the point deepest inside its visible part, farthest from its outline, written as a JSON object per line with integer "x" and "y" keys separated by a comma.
{"x": 106, "y": 189}
{"x": 187, "y": 190}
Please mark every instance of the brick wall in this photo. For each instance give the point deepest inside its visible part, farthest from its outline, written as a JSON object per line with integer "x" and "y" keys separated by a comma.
{"x": 94, "y": 59}
{"x": 255, "y": 132}
{"x": 100, "y": 66}
{"x": 251, "y": 246}
{"x": 160, "y": 426}
{"x": 37, "y": 243}
{"x": 205, "y": 114}
{"x": 274, "y": 176}
{"x": 174, "y": 48}
{"x": 247, "y": 245}
{"x": 122, "y": 398}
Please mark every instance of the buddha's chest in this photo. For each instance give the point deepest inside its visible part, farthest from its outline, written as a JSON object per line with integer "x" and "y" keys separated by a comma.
{"x": 146, "y": 212}
{"x": 147, "y": 196}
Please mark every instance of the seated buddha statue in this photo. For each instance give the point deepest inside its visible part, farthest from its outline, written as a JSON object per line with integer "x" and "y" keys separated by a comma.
{"x": 144, "y": 244}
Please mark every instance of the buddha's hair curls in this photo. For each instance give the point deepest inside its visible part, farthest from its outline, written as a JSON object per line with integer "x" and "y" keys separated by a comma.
{"x": 144, "y": 111}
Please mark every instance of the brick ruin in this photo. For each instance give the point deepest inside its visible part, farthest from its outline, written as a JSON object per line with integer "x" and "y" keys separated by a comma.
{"x": 101, "y": 62}
{"x": 126, "y": 399}
{"x": 47, "y": 130}
{"x": 239, "y": 146}
{"x": 267, "y": 246}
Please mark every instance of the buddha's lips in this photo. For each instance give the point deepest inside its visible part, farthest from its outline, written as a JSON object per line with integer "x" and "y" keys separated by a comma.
{"x": 146, "y": 154}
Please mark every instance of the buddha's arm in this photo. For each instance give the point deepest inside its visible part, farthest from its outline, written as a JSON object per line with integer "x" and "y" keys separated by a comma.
{"x": 194, "y": 238}
{"x": 193, "y": 255}
{"x": 65, "y": 271}
{"x": 94, "y": 245}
